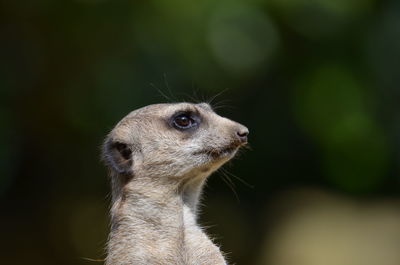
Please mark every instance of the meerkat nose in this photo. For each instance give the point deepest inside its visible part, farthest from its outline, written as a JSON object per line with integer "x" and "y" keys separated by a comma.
{"x": 242, "y": 134}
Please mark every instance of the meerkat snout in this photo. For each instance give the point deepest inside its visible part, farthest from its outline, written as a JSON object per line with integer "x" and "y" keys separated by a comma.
{"x": 242, "y": 134}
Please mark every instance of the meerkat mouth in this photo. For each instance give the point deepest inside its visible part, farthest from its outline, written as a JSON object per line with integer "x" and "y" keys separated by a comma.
{"x": 222, "y": 152}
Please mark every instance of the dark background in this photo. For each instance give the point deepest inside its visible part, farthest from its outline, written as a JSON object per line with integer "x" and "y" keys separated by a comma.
{"x": 317, "y": 84}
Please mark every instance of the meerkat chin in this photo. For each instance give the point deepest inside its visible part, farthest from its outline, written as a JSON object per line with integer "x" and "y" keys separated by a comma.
{"x": 159, "y": 157}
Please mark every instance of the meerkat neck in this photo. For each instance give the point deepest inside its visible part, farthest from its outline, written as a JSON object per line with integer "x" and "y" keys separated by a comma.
{"x": 146, "y": 214}
{"x": 163, "y": 218}
{"x": 191, "y": 192}
{"x": 200, "y": 249}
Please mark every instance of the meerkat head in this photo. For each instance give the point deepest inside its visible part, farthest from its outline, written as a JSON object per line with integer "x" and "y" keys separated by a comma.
{"x": 172, "y": 141}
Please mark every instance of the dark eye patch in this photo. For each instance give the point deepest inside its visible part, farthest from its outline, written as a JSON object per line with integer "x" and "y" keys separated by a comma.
{"x": 185, "y": 120}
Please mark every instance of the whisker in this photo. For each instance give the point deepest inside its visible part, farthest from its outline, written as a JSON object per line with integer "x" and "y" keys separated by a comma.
{"x": 240, "y": 179}
{"x": 93, "y": 260}
{"x": 168, "y": 87}
{"x": 222, "y": 104}
{"x": 161, "y": 93}
{"x": 230, "y": 184}
{"x": 210, "y": 101}
{"x": 192, "y": 98}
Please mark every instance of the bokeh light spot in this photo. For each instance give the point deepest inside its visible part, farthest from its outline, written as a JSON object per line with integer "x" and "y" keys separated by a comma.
{"x": 241, "y": 37}
{"x": 331, "y": 105}
{"x": 321, "y": 18}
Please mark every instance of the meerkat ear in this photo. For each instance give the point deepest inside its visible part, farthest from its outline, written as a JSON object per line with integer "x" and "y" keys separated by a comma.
{"x": 118, "y": 156}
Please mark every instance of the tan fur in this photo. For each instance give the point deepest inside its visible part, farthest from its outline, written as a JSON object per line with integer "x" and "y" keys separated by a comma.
{"x": 156, "y": 189}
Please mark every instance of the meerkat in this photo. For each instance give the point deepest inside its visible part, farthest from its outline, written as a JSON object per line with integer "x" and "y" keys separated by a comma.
{"x": 159, "y": 158}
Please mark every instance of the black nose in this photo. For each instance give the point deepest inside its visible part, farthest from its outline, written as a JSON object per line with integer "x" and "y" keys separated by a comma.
{"x": 242, "y": 134}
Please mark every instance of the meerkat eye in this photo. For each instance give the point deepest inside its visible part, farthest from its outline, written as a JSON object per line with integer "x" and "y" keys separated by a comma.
{"x": 184, "y": 121}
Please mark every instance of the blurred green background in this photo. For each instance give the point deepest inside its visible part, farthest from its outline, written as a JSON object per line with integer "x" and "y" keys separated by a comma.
{"x": 316, "y": 82}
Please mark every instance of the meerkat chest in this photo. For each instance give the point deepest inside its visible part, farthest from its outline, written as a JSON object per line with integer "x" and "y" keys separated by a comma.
{"x": 199, "y": 248}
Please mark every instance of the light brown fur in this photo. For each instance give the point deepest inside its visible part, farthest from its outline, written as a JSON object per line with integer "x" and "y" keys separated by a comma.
{"x": 157, "y": 174}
